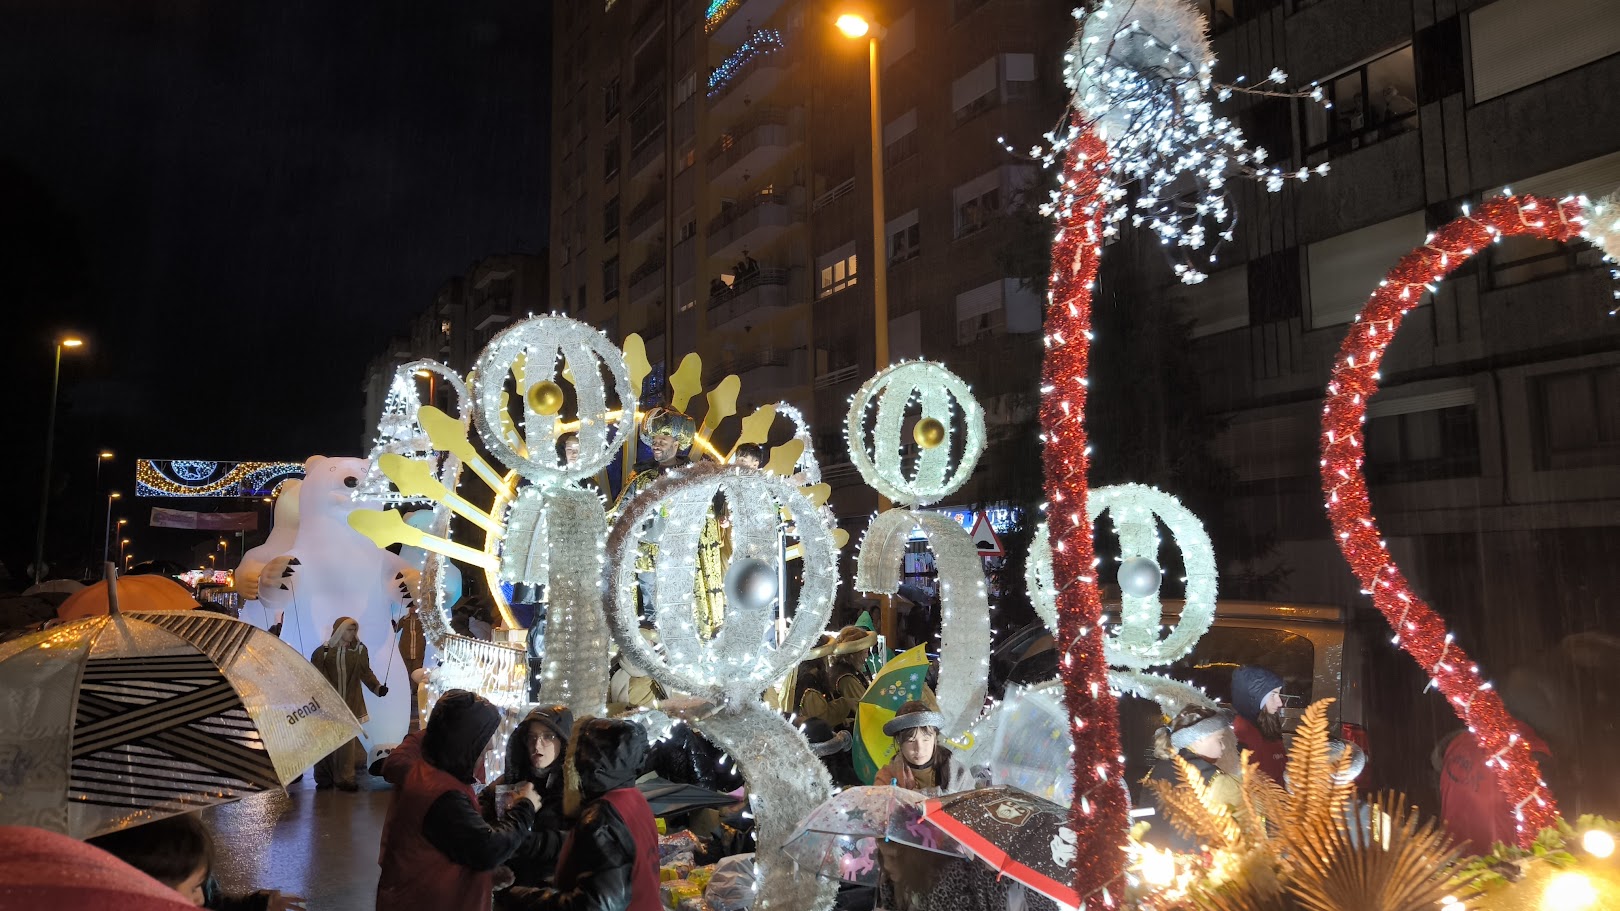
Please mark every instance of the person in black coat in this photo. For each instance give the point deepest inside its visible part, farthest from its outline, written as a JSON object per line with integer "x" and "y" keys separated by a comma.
{"x": 609, "y": 861}
{"x": 534, "y": 753}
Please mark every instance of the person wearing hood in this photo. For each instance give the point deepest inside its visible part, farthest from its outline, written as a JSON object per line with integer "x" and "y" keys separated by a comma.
{"x": 534, "y": 754}
{"x": 1198, "y": 735}
{"x": 609, "y": 861}
{"x": 920, "y": 763}
{"x": 437, "y": 850}
{"x": 1257, "y": 698}
{"x": 345, "y": 663}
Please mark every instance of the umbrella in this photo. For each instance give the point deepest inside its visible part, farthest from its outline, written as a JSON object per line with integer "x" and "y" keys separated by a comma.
{"x": 40, "y": 869}
{"x": 843, "y": 833}
{"x": 65, "y": 586}
{"x": 116, "y": 720}
{"x": 1015, "y": 832}
{"x": 670, "y": 798}
{"x": 1032, "y": 748}
{"x": 135, "y": 593}
{"x": 900, "y": 681}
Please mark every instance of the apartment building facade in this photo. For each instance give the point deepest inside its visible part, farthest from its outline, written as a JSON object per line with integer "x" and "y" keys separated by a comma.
{"x": 1493, "y": 447}
{"x": 712, "y": 191}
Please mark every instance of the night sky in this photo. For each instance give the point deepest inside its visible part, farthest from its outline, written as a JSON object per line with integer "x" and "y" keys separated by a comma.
{"x": 235, "y": 204}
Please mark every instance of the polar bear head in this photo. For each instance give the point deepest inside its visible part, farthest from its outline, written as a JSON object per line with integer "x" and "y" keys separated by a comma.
{"x": 329, "y": 485}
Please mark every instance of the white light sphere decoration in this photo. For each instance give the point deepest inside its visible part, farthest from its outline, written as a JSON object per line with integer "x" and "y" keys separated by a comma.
{"x": 1136, "y": 510}
{"x": 726, "y": 676}
{"x": 939, "y": 393}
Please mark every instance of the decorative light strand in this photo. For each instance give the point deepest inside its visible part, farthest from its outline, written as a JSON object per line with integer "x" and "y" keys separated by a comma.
{"x": 762, "y": 42}
{"x": 1418, "y": 629}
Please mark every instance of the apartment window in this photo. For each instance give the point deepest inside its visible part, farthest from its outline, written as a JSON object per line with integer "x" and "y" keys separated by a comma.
{"x": 1433, "y": 444}
{"x": 686, "y": 159}
{"x": 1577, "y": 418}
{"x": 610, "y": 219}
{"x": 1515, "y": 43}
{"x": 836, "y": 270}
{"x": 977, "y": 203}
{"x": 567, "y": 304}
{"x": 1344, "y": 270}
{"x": 581, "y": 297}
{"x": 974, "y": 92}
{"x": 901, "y": 38}
{"x": 1217, "y": 304}
{"x": 610, "y": 100}
{"x": 687, "y": 229}
{"x": 685, "y": 88}
{"x": 1369, "y": 104}
{"x": 1520, "y": 259}
{"x": 610, "y": 158}
{"x": 1017, "y": 76}
{"x": 900, "y": 138}
{"x": 903, "y": 237}
{"x": 979, "y": 313}
{"x": 610, "y": 279}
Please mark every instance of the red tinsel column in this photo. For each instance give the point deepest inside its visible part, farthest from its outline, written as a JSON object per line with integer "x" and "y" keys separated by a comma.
{"x": 1100, "y": 815}
{"x": 1418, "y": 629}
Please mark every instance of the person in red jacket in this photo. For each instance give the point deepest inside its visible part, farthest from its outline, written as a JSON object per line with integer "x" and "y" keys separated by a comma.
{"x": 609, "y": 862}
{"x": 437, "y": 850}
{"x": 1257, "y": 699}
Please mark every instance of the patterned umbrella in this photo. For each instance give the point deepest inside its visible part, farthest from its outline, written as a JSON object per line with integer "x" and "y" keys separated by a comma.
{"x": 117, "y": 720}
{"x": 841, "y": 836}
{"x": 900, "y": 681}
{"x": 1017, "y": 833}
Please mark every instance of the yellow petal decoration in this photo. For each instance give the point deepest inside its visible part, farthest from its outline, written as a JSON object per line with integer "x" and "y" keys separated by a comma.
{"x": 448, "y": 435}
{"x": 414, "y": 478}
{"x": 686, "y": 381}
{"x": 385, "y": 527}
{"x": 756, "y": 428}
{"x": 784, "y": 457}
{"x": 722, "y": 404}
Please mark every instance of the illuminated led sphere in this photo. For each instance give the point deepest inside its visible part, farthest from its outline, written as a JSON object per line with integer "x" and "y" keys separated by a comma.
{"x": 529, "y": 355}
{"x": 1598, "y": 843}
{"x": 874, "y": 440}
{"x": 750, "y": 584}
{"x": 1139, "y": 577}
{"x": 928, "y": 433}
{"x": 546, "y": 397}
{"x": 1118, "y": 55}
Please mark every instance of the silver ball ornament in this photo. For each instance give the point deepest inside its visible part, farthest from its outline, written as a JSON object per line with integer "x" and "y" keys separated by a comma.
{"x": 1139, "y": 577}
{"x": 750, "y": 584}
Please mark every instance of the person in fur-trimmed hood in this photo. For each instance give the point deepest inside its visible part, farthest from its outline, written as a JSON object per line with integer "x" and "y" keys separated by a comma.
{"x": 920, "y": 762}
{"x": 1198, "y": 735}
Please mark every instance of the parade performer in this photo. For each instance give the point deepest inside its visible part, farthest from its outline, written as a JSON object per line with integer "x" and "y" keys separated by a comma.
{"x": 921, "y": 763}
{"x": 346, "y": 664}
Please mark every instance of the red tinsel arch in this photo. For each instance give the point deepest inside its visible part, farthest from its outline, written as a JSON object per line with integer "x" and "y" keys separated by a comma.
{"x": 1418, "y": 629}
{"x": 1100, "y": 813}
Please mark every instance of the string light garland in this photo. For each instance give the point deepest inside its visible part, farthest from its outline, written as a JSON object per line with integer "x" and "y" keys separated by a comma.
{"x": 399, "y": 431}
{"x": 1419, "y": 631}
{"x": 717, "y": 13}
{"x": 762, "y": 42}
{"x": 167, "y": 478}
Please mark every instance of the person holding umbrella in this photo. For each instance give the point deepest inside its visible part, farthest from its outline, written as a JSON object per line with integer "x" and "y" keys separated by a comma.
{"x": 534, "y": 754}
{"x": 346, "y": 664}
{"x": 920, "y": 762}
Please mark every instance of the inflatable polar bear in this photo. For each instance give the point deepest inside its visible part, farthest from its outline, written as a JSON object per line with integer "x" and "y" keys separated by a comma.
{"x": 329, "y": 571}
{"x": 249, "y": 572}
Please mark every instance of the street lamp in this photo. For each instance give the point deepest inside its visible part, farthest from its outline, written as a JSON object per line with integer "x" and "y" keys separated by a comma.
{"x": 431, "y": 377}
{"x": 225, "y": 552}
{"x": 106, "y": 535}
{"x": 105, "y": 455}
{"x": 855, "y": 27}
{"x": 122, "y": 543}
{"x": 67, "y": 341}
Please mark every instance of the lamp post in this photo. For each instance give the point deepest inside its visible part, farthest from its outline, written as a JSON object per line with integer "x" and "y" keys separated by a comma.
{"x": 432, "y": 379}
{"x": 105, "y": 455}
{"x": 856, "y": 26}
{"x": 122, "y": 543}
{"x": 224, "y": 553}
{"x": 106, "y": 535}
{"x": 50, "y": 443}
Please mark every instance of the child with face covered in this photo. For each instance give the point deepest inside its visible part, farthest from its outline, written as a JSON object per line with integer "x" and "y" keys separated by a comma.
{"x": 534, "y": 754}
{"x": 921, "y": 763}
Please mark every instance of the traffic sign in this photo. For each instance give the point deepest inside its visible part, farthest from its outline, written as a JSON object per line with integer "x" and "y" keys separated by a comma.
{"x": 985, "y": 537}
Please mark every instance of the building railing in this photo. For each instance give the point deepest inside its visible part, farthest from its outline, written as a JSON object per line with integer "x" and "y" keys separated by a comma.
{"x": 744, "y": 137}
{"x": 747, "y": 283}
{"x": 650, "y": 266}
{"x": 734, "y": 213}
{"x": 836, "y": 193}
{"x": 838, "y": 376}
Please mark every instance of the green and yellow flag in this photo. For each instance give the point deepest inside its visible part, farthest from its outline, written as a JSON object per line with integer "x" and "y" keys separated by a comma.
{"x": 899, "y": 682}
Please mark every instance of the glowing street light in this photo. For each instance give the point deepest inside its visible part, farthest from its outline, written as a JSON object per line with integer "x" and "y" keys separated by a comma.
{"x": 67, "y": 341}
{"x": 853, "y": 25}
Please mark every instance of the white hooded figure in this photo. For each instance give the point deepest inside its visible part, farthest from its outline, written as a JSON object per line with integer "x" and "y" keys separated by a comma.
{"x": 331, "y": 571}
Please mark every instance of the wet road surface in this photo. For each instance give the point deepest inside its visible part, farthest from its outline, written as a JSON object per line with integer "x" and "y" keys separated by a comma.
{"x": 318, "y": 844}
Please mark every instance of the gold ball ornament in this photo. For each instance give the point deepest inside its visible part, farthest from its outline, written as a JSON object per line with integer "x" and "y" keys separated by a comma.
{"x": 928, "y": 433}
{"x": 545, "y": 397}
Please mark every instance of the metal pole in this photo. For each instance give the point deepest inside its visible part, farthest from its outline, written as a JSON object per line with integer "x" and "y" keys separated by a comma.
{"x": 45, "y": 485}
{"x": 106, "y": 534}
{"x": 880, "y": 268}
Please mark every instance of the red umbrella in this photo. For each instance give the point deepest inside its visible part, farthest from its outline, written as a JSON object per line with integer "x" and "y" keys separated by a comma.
{"x": 40, "y": 869}
{"x": 1017, "y": 833}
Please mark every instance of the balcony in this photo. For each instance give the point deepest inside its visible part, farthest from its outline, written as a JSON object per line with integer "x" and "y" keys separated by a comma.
{"x": 750, "y": 225}
{"x": 646, "y": 217}
{"x": 750, "y": 74}
{"x": 647, "y": 280}
{"x": 647, "y": 155}
{"x": 491, "y": 312}
{"x": 727, "y": 21}
{"x": 750, "y": 301}
{"x": 752, "y": 146}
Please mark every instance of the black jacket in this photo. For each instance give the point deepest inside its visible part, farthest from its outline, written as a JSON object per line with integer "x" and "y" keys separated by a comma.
{"x": 597, "y": 875}
{"x": 457, "y": 731}
{"x": 535, "y": 861}
{"x": 687, "y": 757}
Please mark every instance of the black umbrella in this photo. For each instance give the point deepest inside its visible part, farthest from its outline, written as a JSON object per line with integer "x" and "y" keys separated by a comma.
{"x": 669, "y": 798}
{"x": 1015, "y": 832}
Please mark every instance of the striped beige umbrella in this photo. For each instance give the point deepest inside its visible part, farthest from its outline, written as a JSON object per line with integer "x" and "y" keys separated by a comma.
{"x": 111, "y": 721}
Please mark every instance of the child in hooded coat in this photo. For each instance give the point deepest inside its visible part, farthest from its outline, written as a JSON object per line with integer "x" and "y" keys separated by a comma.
{"x": 535, "y": 861}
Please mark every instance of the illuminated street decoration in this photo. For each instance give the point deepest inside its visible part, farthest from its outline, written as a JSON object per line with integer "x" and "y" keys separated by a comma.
{"x": 762, "y": 42}
{"x": 197, "y": 478}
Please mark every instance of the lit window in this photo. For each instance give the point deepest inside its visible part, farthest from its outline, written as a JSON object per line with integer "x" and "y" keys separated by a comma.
{"x": 836, "y": 270}
{"x": 1370, "y": 103}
